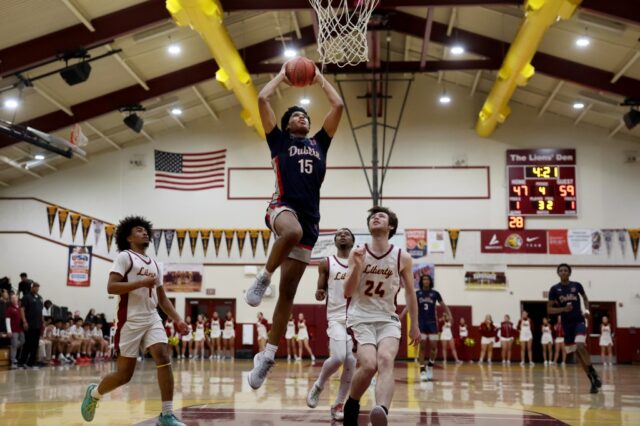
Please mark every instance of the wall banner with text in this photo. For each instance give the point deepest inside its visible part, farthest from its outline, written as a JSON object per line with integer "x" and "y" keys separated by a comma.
{"x": 182, "y": 277}
{"x": 79, "y": 266}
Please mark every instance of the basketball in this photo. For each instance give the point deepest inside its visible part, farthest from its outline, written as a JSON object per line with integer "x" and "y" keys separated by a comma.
{"x": 300, "y": 71}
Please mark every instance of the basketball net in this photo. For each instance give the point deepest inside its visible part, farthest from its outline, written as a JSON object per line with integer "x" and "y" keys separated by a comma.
{"x": 342, "y": 32}
{"x": 78, "y": 138}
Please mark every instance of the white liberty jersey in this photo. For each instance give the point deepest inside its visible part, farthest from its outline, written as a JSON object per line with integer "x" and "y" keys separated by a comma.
{"x": 139, "y": 305}
{"x": 336, "y": 302}
{"x": 375, "y": 297}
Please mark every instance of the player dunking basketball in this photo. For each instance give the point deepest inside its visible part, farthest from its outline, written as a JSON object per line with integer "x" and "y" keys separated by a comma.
{"x": 564, "y": 299}
{"x": 137, "y": 279}
{"x": 294, "y": 212}
{"x": 373, "y": 282}
{"x": 331, "y": 275}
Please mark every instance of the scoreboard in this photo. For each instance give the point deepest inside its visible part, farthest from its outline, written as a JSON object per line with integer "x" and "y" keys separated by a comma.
{"x": 542, "y": 182}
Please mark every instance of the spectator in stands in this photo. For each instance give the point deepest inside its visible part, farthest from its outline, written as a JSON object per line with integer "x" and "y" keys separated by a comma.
{"x": 5, "y": 302}
{"x": 5, "y": 284}
{"x": 46, "y": 311}
{"x": 32, "y": 323}
{"x": 45, "y": 346}
{"x": 15, "y": 330}
{"x": 24, "y": 286}
{"x": 91, "y": 316}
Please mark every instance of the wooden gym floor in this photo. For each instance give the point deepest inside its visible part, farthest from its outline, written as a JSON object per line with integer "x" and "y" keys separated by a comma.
{"x": 216, "y": 392}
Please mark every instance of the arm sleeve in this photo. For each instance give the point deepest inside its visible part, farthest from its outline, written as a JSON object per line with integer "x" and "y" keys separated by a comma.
{"x": 323, "y": 139}
{"x": 122, "y": 264}
{"x": 274, "y": 140}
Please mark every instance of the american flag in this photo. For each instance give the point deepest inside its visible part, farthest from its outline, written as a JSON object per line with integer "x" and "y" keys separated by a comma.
{"x": 190, "y": 172}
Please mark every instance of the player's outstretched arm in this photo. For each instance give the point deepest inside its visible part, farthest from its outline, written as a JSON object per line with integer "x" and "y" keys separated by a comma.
{"x": 323, "y": 279}
{"x": 406, "y": 272}
{"x": 356, "y": 264}
{"x": 332, "y": 120}
{"x": 267, "y": 116}
{"x": 116, "y": 284}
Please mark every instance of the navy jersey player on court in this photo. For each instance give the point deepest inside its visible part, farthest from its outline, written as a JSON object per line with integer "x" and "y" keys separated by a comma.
{"x": 427, "y": 298}
{"x": 293, "y": 215}
{"x": 564, "y": 299}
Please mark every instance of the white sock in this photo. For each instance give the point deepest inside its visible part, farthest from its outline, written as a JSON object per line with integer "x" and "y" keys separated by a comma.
{"x": 348, "y": 369}
{"x": 167, "y": 408}
{"x": 266, "y": 274}
{"x": 95, "y": 394}
{"x": 270, "y": 351}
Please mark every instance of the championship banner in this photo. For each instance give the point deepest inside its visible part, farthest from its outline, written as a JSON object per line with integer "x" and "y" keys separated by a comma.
{"x": 97, "y": 230}
{"x": 510, "y": 242}
{"x": 416, "y": 242}
{"x": 86, "y": 224}
{"x": 485, "y": 277}
{"x": 168, "y": 239}
{"x": 156, "y": 236}
{"x": 205, "y": 236}
{"x": 79, "y": 266}
{"x": 182, "y": 277}
{"x": 74, "y": 218}
{"x": 109, "y": 230}
{"x": 241, "y": 236}
{"x": 608, "y": 239}
{"x": 634, "y": 236}
{"x": 217, "y": 239}
{"x": 435, "y": 241}
{"x": 253, "y": 238}
{"x": 181, "y": 234}
{"x": 228, "y": 236}
{"x": 573, "y": 241}
{"x": 193, "y": 240}
{"x": 266, "y": 235}
{"x": 51, "y": 216}
{"x": 420, "y": 269}
{"x": 62, "y": 219}
{"x": 622, "y": 238}
{"x": 454, "y": 234}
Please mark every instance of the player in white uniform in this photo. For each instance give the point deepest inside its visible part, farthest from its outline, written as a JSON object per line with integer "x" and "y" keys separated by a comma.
{"x": 547, "y": 341}
{"x": 606, "y": 341}
{"x": 137, "y": 279}
{"x": 331, "y": 276}
{"x": 215, "y": 337}
{"x": 526, "y": 337}
{"x": 373, "y": 281}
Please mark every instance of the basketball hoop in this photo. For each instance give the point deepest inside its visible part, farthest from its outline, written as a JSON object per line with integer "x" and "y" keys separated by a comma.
{"x": 342, "y": 32}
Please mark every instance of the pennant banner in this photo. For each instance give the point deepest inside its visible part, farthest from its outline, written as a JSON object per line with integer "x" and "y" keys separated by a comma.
{"x": 634, "y": 236}
{"x": 62, "y": 219}
{"x": 608, "y": 239}
{"x": 86, "y": 224}
{"x": 254, "y": 234}
{"x": 168, "y": 239}
{"x": 435, "y": 241}
{"x": 453, "y": 239}
{"x": 97, "y": 230}
{"x": 193, "y": 240}
{"x": 109, "y": 230}
{"x": 156, "y": 236}
{"x": 51, "y": 216}
{"x": 266, "y": 235}
{"x": 79, "y": 266}
{"x": 416, "y": 242}
{"x": 228, "y": 236}
{"x": 181, "y": 234}
{"x": 217, "y": 238}
{"x": 622, "y": 238}
{"x": 74, "y": 218}
{"x": 205, "y": 236}
{"x": 241, "y": 235}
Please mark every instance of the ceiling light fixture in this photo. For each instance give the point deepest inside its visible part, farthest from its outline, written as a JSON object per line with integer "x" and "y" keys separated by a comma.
{"x": 457, "y": 50}
{"x": 290, "y": 53}
{"x": 176, "y": 111}
{"x": 578, "y": 105}
{"x": 11, "y": 103}
{"x": 174, "y": 49}
{"x": 305, "y": 101}
{"x": 583, "y": 41}
{"x": 39, "y": 157}
{"x": 445, "y": 99}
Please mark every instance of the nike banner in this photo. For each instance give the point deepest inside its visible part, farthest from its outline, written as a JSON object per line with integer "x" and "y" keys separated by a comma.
{"x": 506, "y": 241}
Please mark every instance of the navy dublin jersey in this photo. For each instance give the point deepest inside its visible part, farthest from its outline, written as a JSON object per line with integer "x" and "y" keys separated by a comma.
{"x": 427, "y": 305}
{"x": 300, "y": 165}
{"x": 564, "y": 294}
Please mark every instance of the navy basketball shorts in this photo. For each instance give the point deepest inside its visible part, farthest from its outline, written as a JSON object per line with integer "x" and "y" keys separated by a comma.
{"x": 429, "y": 330}
{"x": 310, "y": 230}
{"x": 574, "y": 332}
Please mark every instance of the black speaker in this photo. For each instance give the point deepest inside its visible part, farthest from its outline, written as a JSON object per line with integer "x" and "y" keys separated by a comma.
{"x": 134, "y": 122}
{"x": 631, "y": 119}
{"x": 77, "y": 73}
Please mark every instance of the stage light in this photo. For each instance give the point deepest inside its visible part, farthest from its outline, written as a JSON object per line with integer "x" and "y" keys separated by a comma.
{"x": 77, "y": 73}
{"x": 134, "y": 122}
